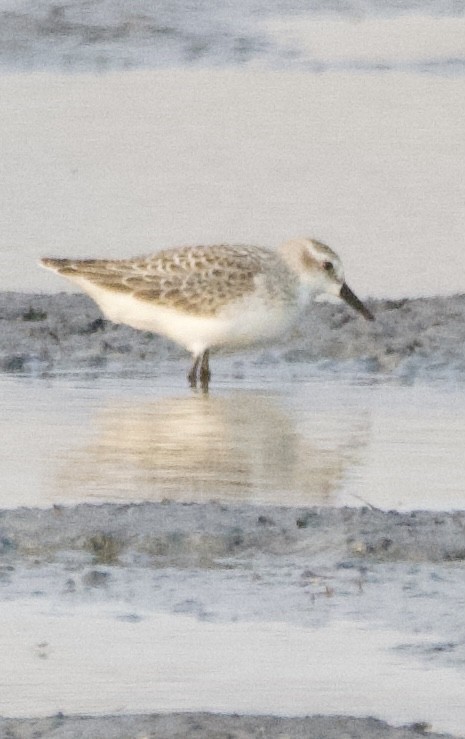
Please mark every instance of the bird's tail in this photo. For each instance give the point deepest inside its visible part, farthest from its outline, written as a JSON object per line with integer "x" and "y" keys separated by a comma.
{"x": 57, "y": 265}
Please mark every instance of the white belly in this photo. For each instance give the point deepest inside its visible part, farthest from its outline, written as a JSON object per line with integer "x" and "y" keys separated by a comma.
{"x": 248, "y": 321}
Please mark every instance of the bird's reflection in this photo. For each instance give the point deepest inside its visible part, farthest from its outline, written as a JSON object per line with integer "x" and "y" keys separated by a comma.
{"x": 243, "y": 447}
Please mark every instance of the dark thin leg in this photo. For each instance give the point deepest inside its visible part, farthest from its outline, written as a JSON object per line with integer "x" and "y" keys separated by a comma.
{"x": 200, "y": 361}
{"x": 205, "y": 374}
{"x": 192, "y": 376}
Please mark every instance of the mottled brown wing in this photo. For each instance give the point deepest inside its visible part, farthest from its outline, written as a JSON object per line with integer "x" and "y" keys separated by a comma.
{"x": 193, "y": 279}
{"x": 199, "y": 280}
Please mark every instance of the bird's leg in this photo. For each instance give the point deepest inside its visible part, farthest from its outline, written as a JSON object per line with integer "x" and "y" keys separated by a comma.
{"x": 192, "y": 375}
{"x": 205, "y": 374}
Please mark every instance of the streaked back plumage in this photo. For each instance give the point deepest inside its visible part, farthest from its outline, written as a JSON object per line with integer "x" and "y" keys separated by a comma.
{"x": 191, "y": 279}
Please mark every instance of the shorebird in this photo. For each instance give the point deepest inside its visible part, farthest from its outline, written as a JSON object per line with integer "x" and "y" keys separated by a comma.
{"x": 206, "y": 297}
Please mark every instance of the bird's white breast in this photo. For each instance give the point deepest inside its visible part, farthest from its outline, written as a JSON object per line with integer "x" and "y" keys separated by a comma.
{"x": 246, "y": 321}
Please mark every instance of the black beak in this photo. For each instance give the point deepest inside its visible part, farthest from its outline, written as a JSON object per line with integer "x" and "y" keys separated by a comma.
{"x": 352, "y": 300}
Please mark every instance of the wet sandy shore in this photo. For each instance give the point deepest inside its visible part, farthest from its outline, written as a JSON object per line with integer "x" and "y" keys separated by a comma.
{"x": 410, "y": 339}
{"x": 208, "y": 726}
{"x": 181, "y": 534}
{"x": 346, "y": 560}
{"x": 304, "y": 566}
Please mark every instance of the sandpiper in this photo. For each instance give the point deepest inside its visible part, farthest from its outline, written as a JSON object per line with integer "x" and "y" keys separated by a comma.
{"x": 206, "y": 297}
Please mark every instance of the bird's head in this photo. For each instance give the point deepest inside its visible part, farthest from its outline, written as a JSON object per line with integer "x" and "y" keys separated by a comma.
{"x": 320, "y": 270}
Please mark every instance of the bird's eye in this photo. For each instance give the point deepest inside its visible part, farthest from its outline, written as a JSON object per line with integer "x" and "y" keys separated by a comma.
{"x": 328, "y": 266}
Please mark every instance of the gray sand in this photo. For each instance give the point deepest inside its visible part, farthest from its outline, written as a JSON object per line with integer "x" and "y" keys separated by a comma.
{"x": 281, "y": 559}
{"x": 207, "y": 726}
{"x": 183, "y": 534}
{"x": 359, "y": 558}
{"x": 108, "y": 35}
{"x": 422, "y": 338}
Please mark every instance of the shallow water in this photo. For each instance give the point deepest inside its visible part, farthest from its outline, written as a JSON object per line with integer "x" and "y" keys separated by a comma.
{"x": 323, "y": 441}
{"x": 289, "y": 634}
{"x": 114, "y": 663}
